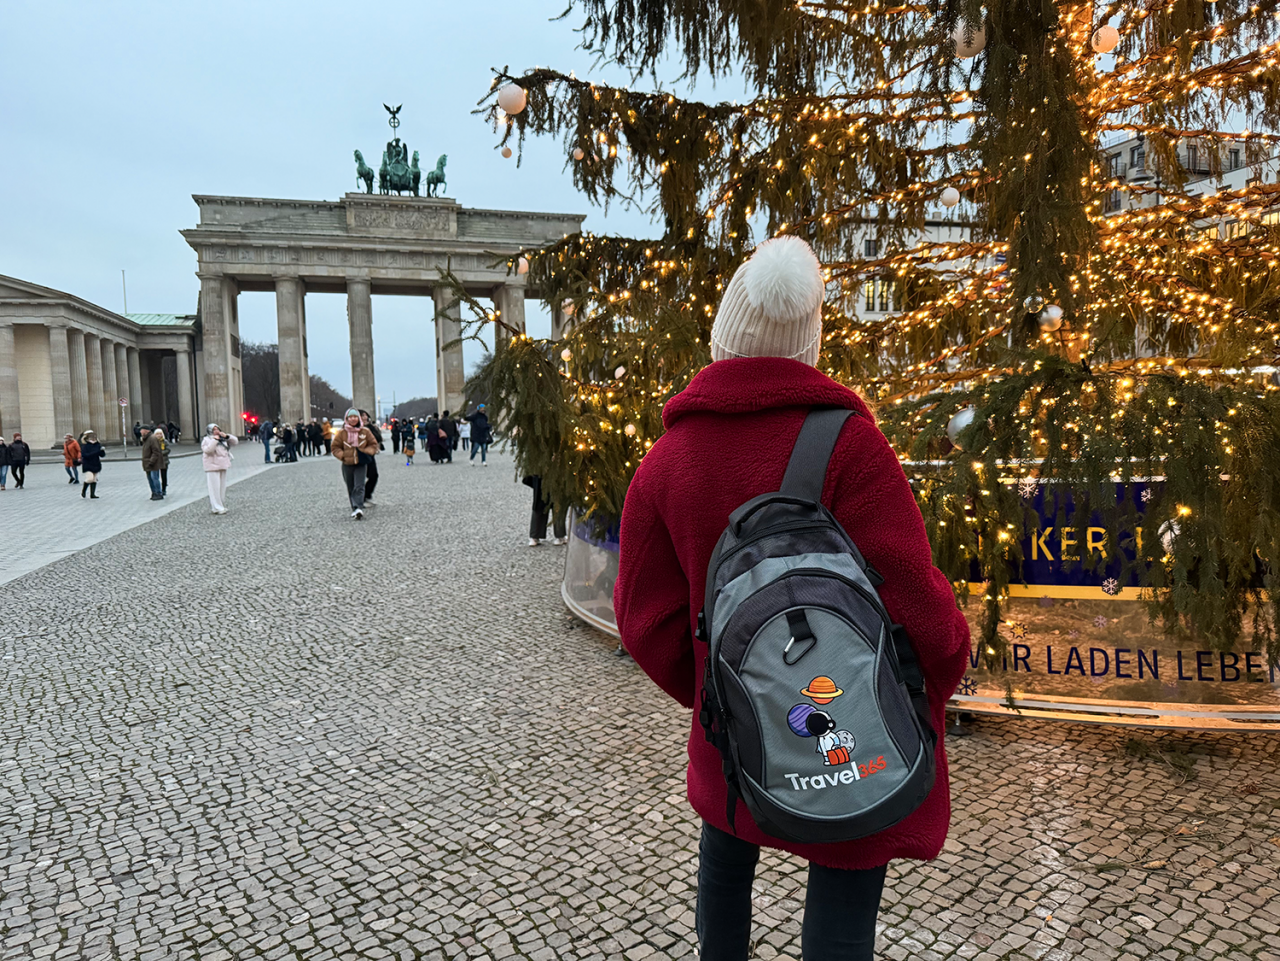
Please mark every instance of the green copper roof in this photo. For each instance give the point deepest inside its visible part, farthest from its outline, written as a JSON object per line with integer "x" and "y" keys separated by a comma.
{"x": 162, "y": 320}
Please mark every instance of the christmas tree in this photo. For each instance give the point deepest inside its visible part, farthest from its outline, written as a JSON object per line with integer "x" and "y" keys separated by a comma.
{"x": 1023, "y": 303}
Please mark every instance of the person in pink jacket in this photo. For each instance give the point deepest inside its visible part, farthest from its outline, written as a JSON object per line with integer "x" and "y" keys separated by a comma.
{"x": 215, "y": 451}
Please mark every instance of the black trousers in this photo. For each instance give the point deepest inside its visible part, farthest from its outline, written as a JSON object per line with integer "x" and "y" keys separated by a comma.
{"x": 19, "y": 474}
{"x": 353, "y": 475}
{"x": 840, "y": 907}
{"x": 371, "y": 478}
{"x": 541, "y": 508}
{"x": 395, "y": 443}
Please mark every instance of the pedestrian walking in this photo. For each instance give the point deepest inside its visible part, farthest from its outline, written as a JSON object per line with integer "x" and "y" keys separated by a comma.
{"x": 137, "y": 432}
{"x": 4, "y": 462}
{"x": 326, "y": 435}
{"x": 300, "y": 438}
{"x": 267, "y": 434}
{"x": 422, "y": 434}
{"x": 165, "y": 451}
{"x": 215, "y": 453}
{"x": 354, "y": 445}
{"x": 480, "y": 436}
{"x": 394, "y": 427}
{"x": 464, "y": 433}
{"x": 763, "y": 383}
{"x": 152, "y": 460}
{"x": 371, "y": 478}
{"x": 71, "y": 458}
{"x": 19, "y": 458}
{"x": 541, "y": 510}
{"x": 437, "y": 440}
{"x": 91, "y": 454}
{"x": 314, "y": 436}
{"x": 450, "y": 428}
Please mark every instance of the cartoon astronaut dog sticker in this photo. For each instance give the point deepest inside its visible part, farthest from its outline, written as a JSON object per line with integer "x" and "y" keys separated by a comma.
{"x": 807, "y": 721}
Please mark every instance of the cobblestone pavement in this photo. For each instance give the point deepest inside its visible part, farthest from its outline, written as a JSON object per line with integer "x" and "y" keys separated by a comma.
{"x": 284, "y": 734}
{"x": 48, "y": 519}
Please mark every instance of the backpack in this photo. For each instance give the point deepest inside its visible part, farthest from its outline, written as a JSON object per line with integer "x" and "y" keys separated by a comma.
{"x": 813, "y": 697}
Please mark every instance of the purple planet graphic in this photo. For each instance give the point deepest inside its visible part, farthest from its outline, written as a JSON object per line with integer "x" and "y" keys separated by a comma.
{"x": 796, "y": 718}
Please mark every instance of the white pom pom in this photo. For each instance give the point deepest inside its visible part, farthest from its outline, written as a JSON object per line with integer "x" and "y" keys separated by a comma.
{"x": 784, "y": 279}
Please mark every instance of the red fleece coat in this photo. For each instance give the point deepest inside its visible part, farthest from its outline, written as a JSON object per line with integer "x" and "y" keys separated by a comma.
{"x": 729, "y": 435}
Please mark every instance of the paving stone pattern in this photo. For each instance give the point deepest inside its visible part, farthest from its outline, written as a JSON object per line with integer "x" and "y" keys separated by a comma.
{"x": 283, "y": 734}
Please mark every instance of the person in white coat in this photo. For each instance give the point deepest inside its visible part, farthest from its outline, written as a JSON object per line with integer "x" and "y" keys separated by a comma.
{"x": 215, "y": 450}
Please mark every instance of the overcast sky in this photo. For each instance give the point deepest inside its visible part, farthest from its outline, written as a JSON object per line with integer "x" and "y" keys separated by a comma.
{"x": 113, "y": 114}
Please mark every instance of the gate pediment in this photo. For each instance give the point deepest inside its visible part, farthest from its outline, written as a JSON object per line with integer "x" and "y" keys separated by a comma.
{"x": 401, "y": 217}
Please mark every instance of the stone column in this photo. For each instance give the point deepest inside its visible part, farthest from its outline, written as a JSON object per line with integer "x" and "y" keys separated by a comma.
{"x": 186, "y": 410}
{"x": 10, "y": 401}
{"x": 451, "y": 378}
{"x": 64, "y": 421}
{"x": 293, "y": 363}
{"x": 79, "y": 380}
{"x": 360, "y": 319}
{"x": 217, "y": 349}
{"x": 144, "y": 372}
{"x": 135, "y": 384}
{"x": 93, "y": 365}
{"x": 560, "y": 322}
{"x": 122, "y": 384}
{"x": 509, "y": 300}
{"x": 110, "y": 396}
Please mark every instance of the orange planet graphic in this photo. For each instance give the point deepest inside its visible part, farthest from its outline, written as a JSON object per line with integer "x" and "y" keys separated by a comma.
{"x": 822, "y": 689}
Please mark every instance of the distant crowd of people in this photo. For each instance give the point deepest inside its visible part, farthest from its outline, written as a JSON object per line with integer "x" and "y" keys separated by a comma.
{"x": 356, "y": 441}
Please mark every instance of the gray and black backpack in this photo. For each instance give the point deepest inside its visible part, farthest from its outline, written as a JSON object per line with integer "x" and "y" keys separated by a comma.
{"x": 813, "y": 697}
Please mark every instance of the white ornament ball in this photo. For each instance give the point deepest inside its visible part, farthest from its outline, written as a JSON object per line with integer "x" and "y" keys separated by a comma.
{"x": 959, "y": 421}
{"x": 566, "y": 355}
{"x": 522, "y": 266}
{"x": 506, "y": 153}
{"x": 950, "y": 197}
{"x": 1105, "y": 39}
{"x": 630, "y": 430}
{"x": 966, "y": 48}
{"x": 512, "y": 98}
{"x": 1051, "y": 317}
{"x": 578, "y": 153}
{"x": 619, "y": 373}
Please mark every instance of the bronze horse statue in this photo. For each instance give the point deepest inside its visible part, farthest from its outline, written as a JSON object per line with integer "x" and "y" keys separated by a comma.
{"x": 435, "y": 178}
{"x": 364, "y": 173}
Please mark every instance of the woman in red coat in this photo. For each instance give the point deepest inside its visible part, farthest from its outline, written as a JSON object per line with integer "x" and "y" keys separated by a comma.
{"x": 717, "y": 453}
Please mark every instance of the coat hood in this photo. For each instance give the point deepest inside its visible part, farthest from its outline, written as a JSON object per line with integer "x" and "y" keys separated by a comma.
{"x": 744, "y": 385}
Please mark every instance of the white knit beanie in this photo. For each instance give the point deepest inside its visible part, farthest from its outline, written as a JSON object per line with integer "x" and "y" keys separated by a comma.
{"x": 773, "y": 305}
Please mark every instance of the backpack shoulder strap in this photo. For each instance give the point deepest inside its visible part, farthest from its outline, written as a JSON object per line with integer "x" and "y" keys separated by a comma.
{"x": 807, "y": 470}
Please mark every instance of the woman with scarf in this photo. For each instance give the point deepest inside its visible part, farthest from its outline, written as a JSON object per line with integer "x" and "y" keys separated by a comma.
{"x": 90, "y": 464}
{"x": 355, "y": 446}
{"x": 215, "y": 450}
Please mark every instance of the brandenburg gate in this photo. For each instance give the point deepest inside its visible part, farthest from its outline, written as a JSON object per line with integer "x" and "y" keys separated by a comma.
{"x": 361, "y": 245}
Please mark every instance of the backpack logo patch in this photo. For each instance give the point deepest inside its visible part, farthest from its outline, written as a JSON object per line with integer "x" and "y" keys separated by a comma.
{"x": 805, "y": 720}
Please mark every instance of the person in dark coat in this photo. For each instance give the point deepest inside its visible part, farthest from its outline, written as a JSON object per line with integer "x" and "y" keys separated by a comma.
{"x": 394, "y": 427}
{"x": 91, "y": 454}
{"x": 437, "y": 440}
{"x": 541, "y": 509}
{"x": 763, "y": 383}
{"x": 19, "y": 458}
{"x": 314, "y": 437}
{"x": 4, "y": 462}
{"x": 450, "y": 427}
{"x": 286, "y": 436}
{"x": 173, "y": 432}
{"x": 371, "y": 478}
{"x": 480, "y": 436}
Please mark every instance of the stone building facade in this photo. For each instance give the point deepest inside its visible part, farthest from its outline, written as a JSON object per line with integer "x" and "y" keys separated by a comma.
{"x": 65, "y": 365}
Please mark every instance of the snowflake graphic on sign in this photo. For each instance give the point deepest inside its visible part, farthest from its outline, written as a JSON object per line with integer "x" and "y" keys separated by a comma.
{"x": 1019, "y": 632}
{"x": 1099, "y": 622}
{"x": 1027, "y": 487}
{"x": 968, "y": 687}
{"x": 1147, "y": 495}
{"x": 1111, "y": 586}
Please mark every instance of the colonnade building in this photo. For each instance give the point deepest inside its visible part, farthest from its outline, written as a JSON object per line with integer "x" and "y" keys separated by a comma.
{"x": 66, "y": 364}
